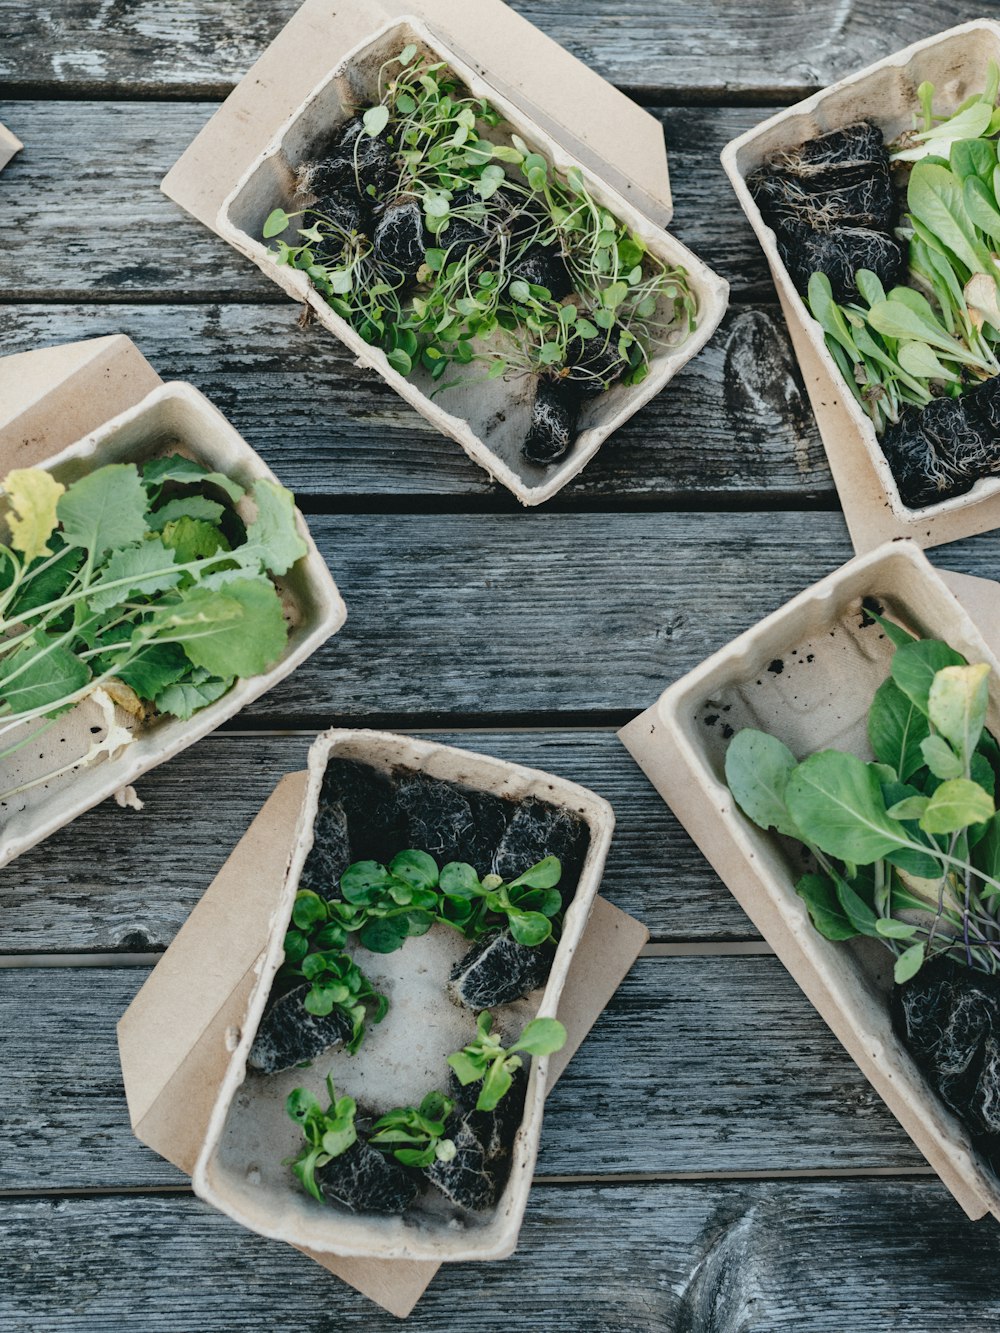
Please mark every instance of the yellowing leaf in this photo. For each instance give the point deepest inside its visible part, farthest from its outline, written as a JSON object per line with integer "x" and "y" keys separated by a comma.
{"x": 33, "y": 495}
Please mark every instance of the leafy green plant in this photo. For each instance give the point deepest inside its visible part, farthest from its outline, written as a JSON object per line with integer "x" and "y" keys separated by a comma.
{"x": 415, "y": 1135}
{"x": 469, "y": 305}
{"x": 386, "y": 905}
{"x": 906, "y": 847}
{"x": 328, "y": 1133}
{"x": 485, "y": 1060}
{"x": 135, "y": 584}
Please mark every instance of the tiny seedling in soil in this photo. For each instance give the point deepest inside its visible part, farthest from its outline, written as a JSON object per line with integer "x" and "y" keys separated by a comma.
{"x": 457, "y": 249}
{"x": 486, "y": 1061}
{"x": 415, "y": 1135}
{"x": 137, "y": 585}
{"x": 906, "y": 851}
{"x": 903, "y": 279}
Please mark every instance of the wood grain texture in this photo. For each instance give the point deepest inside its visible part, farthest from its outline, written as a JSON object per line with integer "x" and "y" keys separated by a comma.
{"x": 699, "y": 1065}
{"x": 98, "y": 227}
{"x": 122, "y": 880}
{"x": 734, "y": 427}
{"x": 872, "y": 1256}
{"x": 540, "y": 615}
{"x": 723, "y": 47}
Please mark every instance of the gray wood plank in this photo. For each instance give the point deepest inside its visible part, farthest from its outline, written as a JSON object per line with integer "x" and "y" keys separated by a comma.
{"x": 88, "y": 46}
{"x": 735, "y": 426}
{"x": 873, "y": 1256}
{"x": 700, "y": 1064}
{"x": 122, "y": 880}
{"x": 98, "y": 228}
{"x": 587, "y": 612}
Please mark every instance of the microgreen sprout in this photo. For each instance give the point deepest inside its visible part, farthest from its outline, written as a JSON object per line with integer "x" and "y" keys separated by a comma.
{"x": 490, "y": 205}
{"x": 486, "y": 1060}
{"x": 328, "y": 1133}
{"x": 415, "y": 1135}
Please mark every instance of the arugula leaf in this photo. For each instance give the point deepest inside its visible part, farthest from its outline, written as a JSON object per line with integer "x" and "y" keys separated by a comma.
{"x": 186, "y": 506}
{"x": 272, "y": 538}
{"x": 105, "y": 509}
{"x": 184, "y": 698}
{"x": 147, "y": 569}
{"x": 39, "y": 674}
{"x": 177, "y": 468}
{"x": 239, "y": 631}
{"x": 33, "y": 495}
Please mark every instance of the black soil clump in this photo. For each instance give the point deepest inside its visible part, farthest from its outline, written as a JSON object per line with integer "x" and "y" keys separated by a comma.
{"x": 554, "y": 415}
{"x": 355, "y": 163}
{"x": 943, "y": 450}
{"x": 399, "y": 238}
{"x": 537, "y": 830}
{"x": 368, "y": 1181}
{"x": 330, "y": 854}
{"x": 438, "y": 817}
{"x": 595, "y": 364}
{"x": 498, "y": 970}
{"x": 497, "y": 1129}
{"x": 290, "y": 1035}
{"x": 543, "y": 266}
{"x": 466, "y": 1180}
{"x": 948, "y": 1017}
{"x": 832, "y": 207}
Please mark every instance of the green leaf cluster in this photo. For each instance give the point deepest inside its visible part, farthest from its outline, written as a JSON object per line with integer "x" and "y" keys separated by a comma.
{"x": 386, "y": 905}
{"x": 415, "y": 1134}
{"x": 937, "y": 335}
{"x": 453, "y": 157}
{"x": 486, "y": 1061}
{"x": 142, "y": 576}
{"x": 905, "y": 846}
{"x": 328, "y": 1133}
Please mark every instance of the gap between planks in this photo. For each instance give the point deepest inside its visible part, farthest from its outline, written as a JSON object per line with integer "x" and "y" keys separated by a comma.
{"x": 710, "y": 949}
{"x": 560, "y": 1182}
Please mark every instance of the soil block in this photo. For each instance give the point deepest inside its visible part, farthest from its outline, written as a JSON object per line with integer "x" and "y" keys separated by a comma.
{"x": 537, "y": 830}
{"x": 839, "y": 254}
{"x": 860, "y": 145}
{"x": 554, "y": 416}
{"x": 466, "y": 1180}
{"x": 399, "y": 238}
{"x": 330, "y": 854}
{"x": 290, "y": 1035}
{"x": 356, "y": 163}
{"x": 543, "y": 265}
{"x": 948, "y": 1017}
{"x": 595, "y": 363}
{"x": 499, "y": 970}
{"x": 495, "y": 1130}
{"x": 367, "y": 1181}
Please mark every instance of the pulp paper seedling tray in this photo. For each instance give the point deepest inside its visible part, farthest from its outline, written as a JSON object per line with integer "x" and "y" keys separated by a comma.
{"x": 174, "y": 418}
{"x": 489, "y": 419}
{"x": 239, "y": 1169}
{"x": 807, "y": 674}
{"x": 886, "y": 93}
{"x": 9, "y": 145}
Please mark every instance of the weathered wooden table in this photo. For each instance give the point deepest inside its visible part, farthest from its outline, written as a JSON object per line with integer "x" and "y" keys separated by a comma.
{"x": 712, "y": 1160}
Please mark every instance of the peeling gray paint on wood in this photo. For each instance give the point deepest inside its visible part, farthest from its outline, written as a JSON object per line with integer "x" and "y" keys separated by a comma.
{"x": 872, "y": 1256}
{"x": 725, "y": 48}
{"x": 698, "y": 1065}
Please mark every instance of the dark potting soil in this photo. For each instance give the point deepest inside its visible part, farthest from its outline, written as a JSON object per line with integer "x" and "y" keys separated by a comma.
{"x": 498, "y": 970}
{"x": 353, "y": 162}
{"x": 290, "y": 1035}
{"x": 948, "y": 1017}
{"x": 497, "y": 1129}
{"x": 537, "y": 830}
{"x": 389, "y": 813}
{"x": 554, "y": 415}
{"x": 839, "y": 254}
{"x": 349, "y": 212}
{"x": 330, "y": 854}
{"x": 543, "y": 265}
{"x": 399, "y": 238}
{"x": 832, "y": 207}
{"x": 595, "y": 363}
{"x": 467, "y": 1180}
{"x": 368, "y": 1181}
{"x": 942, "y": 451}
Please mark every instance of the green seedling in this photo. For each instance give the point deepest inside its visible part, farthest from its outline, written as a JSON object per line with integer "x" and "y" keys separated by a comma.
{"x": 415, "y": 1135}
{"x": 141, "y": 585}
{"x": 328, "y": 1133}
{"x": 485, "y": 1060}
{"x": 906, "y": 847}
